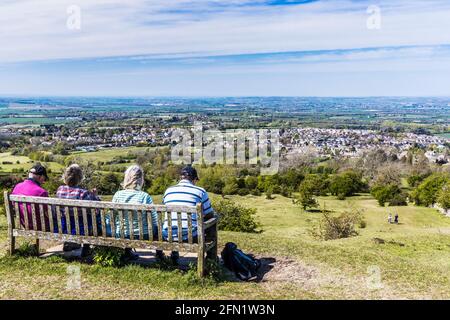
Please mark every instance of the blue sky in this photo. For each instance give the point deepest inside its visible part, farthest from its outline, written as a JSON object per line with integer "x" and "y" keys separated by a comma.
{"x": 225, "y": 48}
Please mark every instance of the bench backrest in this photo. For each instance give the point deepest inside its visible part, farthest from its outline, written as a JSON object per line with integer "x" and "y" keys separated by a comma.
{"x": 46, "y": 215}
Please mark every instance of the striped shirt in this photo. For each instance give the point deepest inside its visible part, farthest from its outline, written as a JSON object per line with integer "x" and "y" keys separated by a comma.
{"x": 132, "y": 197}
{"x": 187, "y": 194}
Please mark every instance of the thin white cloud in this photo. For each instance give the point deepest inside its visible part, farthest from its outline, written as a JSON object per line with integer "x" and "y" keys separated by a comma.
{"x": 36, "y": 30}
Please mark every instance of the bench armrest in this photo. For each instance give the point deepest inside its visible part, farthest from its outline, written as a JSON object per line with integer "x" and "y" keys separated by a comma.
{"x": 210, "y": 222}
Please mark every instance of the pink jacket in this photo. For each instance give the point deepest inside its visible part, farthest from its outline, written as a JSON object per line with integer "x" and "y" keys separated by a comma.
{"x": 31, "y": 188}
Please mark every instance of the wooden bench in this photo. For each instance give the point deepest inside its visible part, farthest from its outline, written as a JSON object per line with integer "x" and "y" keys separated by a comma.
{"x": 44, "y": 208}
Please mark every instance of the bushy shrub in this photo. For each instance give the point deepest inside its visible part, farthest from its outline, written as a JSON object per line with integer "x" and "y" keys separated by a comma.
{"x": 427, "y": 193}
{"x": 398, "y": 200}
{"x": 386, "y": 193}
{"x": 108, "y": 256}
{"x": 256, "y": 192}
{"x": 235, "y": 217}
{"x": 362, "y": 224}
{"x": 243, "y": 192}
{"x": 342, "y": 226}
{"x": 444, "y": 196}
{"x": 160, "y": 184}
{"x": 269, "y": 193}
{"x": 346, "y": 184}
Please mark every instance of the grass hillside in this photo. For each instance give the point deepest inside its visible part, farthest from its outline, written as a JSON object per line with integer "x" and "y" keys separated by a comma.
{"x": 414, "y": 261}
{"x": 21, "y": 162}
{"x": 109, "y": 154}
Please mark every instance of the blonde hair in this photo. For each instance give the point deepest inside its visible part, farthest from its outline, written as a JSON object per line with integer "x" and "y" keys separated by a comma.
{"x": 73, "y": 175}
{"x": 134, "y": 178}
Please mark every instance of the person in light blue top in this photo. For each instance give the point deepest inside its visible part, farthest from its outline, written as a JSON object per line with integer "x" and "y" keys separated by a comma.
{"x": 185, "y": 193}
{"x": 132, "y": 194}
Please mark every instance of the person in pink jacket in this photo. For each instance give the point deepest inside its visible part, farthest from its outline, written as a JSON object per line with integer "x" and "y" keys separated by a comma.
{"x": 33, "y": 187}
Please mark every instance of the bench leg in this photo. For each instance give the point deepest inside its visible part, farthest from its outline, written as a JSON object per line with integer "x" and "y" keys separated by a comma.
{"x": 201, "y": 263}
{"x": 212, "y": 236}
{"x": 212, "y": 253}
{"x": 12, "y": 245}
{"x": 37, "y": 247}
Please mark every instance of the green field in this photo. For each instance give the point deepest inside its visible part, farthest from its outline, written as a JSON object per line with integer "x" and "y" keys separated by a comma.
{"x": 414, "y": 262}
{"x": 31, "y": 120}
{"x": 109, "y": 154}
{"x": 21, "y": 162}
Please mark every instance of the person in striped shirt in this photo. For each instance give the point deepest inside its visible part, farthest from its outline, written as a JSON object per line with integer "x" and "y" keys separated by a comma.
{"x": 185, "y": 193}
{"x": 73, "y": 176}
{"x": 132, "y": 193}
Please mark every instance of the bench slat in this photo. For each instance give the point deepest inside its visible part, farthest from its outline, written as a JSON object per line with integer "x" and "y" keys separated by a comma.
{"x": 58, "y": 219}
{"x": 141, "y": 228}
{"x": 25, "y": 213}
{"x": 68, "y": 222}
{"x": 33, "y": 217}
{"x": 130, "y": 224}
{"x": 112, "y": 219}
{"x": 16, "y": 208}
{"x": 103, "y": 205}
{"x": 41, "y": 212}
{"x": 122, "y": 228}
{"x": 77, "y": 220}
{"x": 103, "y": 222}
{"x": 85, "y": 221}
{"x": 150, "y": 225}
{"x": 50, "y": 217}
{"x": 179, "y": 227}
{"x": 211, "y": 222}
{"x": 169, "y": 219}
{"x": 93, "y": 213}
{"x": 190, "y": 238}
{"x": 160, "y": 216}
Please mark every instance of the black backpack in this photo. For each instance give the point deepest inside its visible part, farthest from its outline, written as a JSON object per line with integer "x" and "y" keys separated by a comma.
{"x": 243, "y": 265}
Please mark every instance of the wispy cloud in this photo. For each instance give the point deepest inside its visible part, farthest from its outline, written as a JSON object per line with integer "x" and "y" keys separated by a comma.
{"x": 209, "y": 27}
{"x": 229, "y": 40}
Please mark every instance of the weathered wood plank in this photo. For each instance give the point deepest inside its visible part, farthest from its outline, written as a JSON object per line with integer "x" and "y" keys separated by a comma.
{"x": 93, "y": 213}
{"x": 85, "y": 221}
{"x": 17, "y": 213}
{"x": 122, "y": 228}
{"x": 25, "y": 215}
{"x": 103, "y": 205}
{"x": 130, "y": 224}
{"x": 50, "y": 218}
{"x": 10, "y": 219}
{"x": 149, "y": 225}
{"x": 161, "y": 215}
{"x": 141, "y": 229}
{"x": 210, "y": 223}
{"x": 112, "y": 242}
{"x": 68, "y": 224}
{"x": 179, "y": 227}
{"x": 58, "y": 219}
{"x": 190, "y": 237}
{"x": 103, "y": 222}
{"x": 201, "y": 242}
{"x": 33, "y": 217}
{"x": 42, "y": 217}
{"x": 169, "y": 226}
{"x": 76, "y": 218}
{"x": 112, "y": 216}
